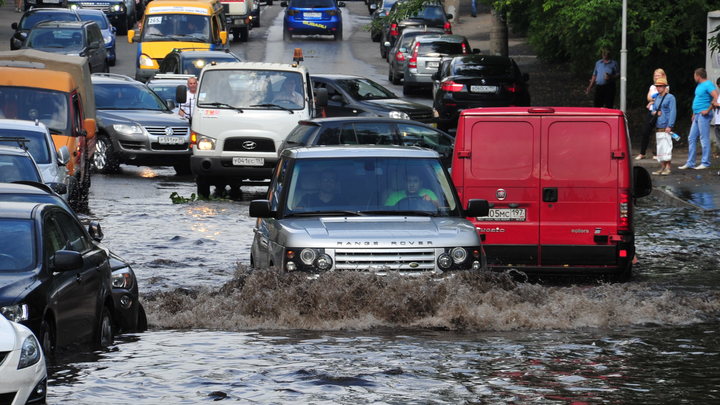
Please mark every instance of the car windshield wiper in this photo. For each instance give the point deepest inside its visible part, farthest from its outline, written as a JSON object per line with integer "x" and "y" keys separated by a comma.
{"x": 400, "y": 213}
{"x": 327, "y": 213}
{"x": 274, "y": 106}
{"x": 221, "y": 105}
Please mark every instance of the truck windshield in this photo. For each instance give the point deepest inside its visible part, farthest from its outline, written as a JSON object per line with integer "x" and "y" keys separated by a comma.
{"x": 17, "y": 250}
{"x": 366, "y": 186}
{"x": 176, "y": 27}
{"x": 254, "y": 89}
{"x": 26, "y": 103}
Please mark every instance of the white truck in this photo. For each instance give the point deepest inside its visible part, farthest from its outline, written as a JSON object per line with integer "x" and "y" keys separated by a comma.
{"x": 244, "y": 111}
{"x": 241, "y": 16}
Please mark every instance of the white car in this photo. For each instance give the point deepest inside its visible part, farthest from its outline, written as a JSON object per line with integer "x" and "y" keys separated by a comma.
{"x": 22, "y": 365}
{"x": 39, "y": 143}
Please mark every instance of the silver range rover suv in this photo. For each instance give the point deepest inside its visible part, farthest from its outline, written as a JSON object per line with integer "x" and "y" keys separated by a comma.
{"x": 376, "y": 209}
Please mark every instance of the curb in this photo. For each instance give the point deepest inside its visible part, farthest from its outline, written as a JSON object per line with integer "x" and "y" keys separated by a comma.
{"x": 668, "y": 197}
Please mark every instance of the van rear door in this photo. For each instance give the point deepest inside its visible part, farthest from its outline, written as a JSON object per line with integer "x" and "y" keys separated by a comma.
{"x": 579, "y": 193}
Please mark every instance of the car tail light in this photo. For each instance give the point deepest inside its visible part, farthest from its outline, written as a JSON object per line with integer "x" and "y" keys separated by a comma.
{"x": 624, "y": 212}
{"x": 332, "y": 12}
{"x": 393, "y": 30}
{"x": 400, "y": 57}
{"x": 464, "y": 48}
{"x": 292, "y": 12}
{"x": 447, "y": 27}
{"x": 512, "y": 88}
{"x": 451, "y": 86}
{"x": 412, "y": 63}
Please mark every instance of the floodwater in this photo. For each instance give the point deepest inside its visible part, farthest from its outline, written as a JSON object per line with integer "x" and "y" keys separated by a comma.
{"x": 220, "y": 332}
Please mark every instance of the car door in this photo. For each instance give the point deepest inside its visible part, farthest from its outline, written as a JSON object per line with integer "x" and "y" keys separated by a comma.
{"x": 96, "y": 45}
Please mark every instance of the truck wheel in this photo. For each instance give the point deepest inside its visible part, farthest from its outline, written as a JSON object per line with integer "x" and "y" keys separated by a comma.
{"x": 104, "y": 159}
{"x": 243, "y": 34}
{"x": 269, "y": 2}
{"x": 203, "y": 187}
{"x": 406, "y": 90}
{"x": 383, "y": 52}
{"x": 182, "y": 169}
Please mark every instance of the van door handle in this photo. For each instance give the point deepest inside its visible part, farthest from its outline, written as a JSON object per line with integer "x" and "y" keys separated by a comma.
{"x": 550, "y": 194}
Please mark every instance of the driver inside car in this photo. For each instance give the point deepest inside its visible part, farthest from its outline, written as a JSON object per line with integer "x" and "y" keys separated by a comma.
{"x": 415, "y": 196}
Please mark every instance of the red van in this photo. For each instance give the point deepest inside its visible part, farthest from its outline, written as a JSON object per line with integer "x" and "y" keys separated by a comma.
{"x": 560, "y": 183}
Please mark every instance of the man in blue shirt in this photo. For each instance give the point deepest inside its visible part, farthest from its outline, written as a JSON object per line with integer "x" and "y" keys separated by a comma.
{"x": 604, "y": 75}
{"x": 705, "y": 99}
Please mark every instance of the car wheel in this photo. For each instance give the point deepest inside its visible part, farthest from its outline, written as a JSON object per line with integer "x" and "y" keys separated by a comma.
{"x": 182, "y": 169}
{"x": 104, "y": 159}
{"x": 142, "y": 319}
{"x": 243, "y": 34}
{"x": 269, "y": 2}
{"x": 256, "y": 21}
{"x": 338, "y": 35}
{"x": 104, "y": 336}
{"x": 106, "y": 68}
{"x": 286, "y": 35}
{"x": 394, "y": 79}
{"x": 112, "y": 61}
{"x": 203, "y": 187}
{"x": 47, "y": 337}
{"x": 383, "y": 52}
{"x": 375, "y": 37}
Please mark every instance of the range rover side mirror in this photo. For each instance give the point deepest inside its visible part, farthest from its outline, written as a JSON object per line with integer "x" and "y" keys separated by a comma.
{"x": 181, "y": 94}
{"x": 67, "y": 260}
{"x": 170, "y": 104}
{"x": 131, "y": 36}
{"x": 260, "y": 209}
{"x": 342, "y": 4}
{"x": 642, "y": 182}
{"x": 477, "y": 208}
{"x": 14, "y": 25}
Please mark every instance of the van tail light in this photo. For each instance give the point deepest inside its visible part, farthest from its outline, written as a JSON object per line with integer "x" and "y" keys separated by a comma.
{"x": 511, "y": 88}
{"x": 412, "y": 63}
{"x": 400, "y": 57}
{"x": 451, "y": 86}
{"x": 447, "y": 27}
{"x": 393, "y": 30}
{"x": 624, "y": 211}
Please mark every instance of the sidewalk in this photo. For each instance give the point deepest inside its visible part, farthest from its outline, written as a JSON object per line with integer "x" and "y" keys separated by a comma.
{"x": 554, "y": 85}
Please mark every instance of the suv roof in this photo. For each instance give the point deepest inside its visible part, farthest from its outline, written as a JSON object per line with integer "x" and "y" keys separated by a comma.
{"x": 360, "y": 151}
{"x": 113, "y": 78}
{"x": 440, "y": 38}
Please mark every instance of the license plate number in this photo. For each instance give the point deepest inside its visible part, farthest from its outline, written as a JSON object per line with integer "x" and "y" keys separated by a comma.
{"x": 52, "y": 1}
{"x": 170, "y": 140}
{"x": 432, "y": 64}
{"x": 239, "y": 161}
{"x": 312, "y": 15}
{"x": 483, "y": 89}
{"x": 504, "y": 214}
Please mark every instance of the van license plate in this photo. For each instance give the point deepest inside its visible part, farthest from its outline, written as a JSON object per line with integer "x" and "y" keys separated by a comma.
{"x": 483, "y": 89}
{"x": 170, "y": 140}
{"x": 504, "y": 214}
{"x": 312, "y": 15}
{"x": 239, "y": 161}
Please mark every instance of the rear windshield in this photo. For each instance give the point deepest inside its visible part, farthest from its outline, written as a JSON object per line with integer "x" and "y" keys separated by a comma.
{"x": 18, "y": 168}
{"x": 313, "y": 3}
{"x": 432, "y": 13}
{"x": 35, "y": 142}
{"x": 482, "y": 70}
{"x": 298, "y": 136}
{"x": 441, "y": 48}
{"x": 16, "y": 245}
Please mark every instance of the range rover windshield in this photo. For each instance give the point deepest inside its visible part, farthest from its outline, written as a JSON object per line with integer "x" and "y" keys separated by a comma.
{"x": 370, "y": 186}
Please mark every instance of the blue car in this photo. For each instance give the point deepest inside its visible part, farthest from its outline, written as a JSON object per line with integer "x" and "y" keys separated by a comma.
{"x": 107, "y": 29}
{"x": 312, "y": 17}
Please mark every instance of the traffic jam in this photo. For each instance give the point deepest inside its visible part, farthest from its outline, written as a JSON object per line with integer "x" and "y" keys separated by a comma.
{"x": 351, "y": 177}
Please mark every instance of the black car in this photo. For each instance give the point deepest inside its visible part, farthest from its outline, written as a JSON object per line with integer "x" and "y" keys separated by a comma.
{"x": 370, "y": 131}
{"x": 129, "y": 314}
{"x": 431, "y": 15}
{"x": 35, "y": 16}
{"x": 350, "y": 96}
{"x": 53, "y": 278}
{"x": 191, "y": 61}
{"x": 471, "y": 81}
{"x": 121, "y": 13}
{"x": 74, "y": 38}
{"x": 27, "y": 4}
{"x": 136, "y": 127}
{"x": 378, "y": 10}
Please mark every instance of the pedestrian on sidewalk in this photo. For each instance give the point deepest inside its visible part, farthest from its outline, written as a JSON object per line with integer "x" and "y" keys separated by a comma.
{"x": 705, "y": 100}
{"x": 665, "y": 113}
{"x": 18, "y": 6}
{"x": 473, "y": 8}
{"x": 716, "y": 123}
{"x": 603, "y": 78}
{"x": 649, "y": 126}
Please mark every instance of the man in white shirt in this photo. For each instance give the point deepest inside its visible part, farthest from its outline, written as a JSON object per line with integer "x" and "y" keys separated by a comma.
{"x": 186, "y": 108}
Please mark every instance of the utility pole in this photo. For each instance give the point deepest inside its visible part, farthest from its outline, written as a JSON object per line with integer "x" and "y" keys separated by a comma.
{"x": 623, "y": 60}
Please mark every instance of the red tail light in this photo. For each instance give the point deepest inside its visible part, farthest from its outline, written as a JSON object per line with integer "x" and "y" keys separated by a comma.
{"x": 412, "y": 63}
{"x": 393, "y": 30}
{"x": 447, "y": 27}
{"x": 512, "y": 88}
{"x": 400, "y": 57}
{"x": 624, "y": 211}
{"x": 464, "y": 48}
{"x": 451, "y": 86}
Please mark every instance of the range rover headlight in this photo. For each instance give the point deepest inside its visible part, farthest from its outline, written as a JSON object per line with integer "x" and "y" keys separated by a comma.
{"x": 205, "y": 143}
{"x": 444, "y": 261}
{"x": 323, "y": 262}
{"x": 125, "y": 129}
{"x": 16, "y": 313}
{"x": 30, "y": 352}
{"x": 398, "y": 115}
{"x": 458, "y": 255}
{"x": 308, "y": 256}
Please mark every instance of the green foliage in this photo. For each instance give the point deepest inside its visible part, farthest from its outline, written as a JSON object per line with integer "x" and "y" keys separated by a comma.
{"x": 401, "y": 12}
{"x": 178, "y": 199}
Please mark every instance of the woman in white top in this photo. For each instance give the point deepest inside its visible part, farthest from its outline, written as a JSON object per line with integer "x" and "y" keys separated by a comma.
{"x": 649, "y": 127}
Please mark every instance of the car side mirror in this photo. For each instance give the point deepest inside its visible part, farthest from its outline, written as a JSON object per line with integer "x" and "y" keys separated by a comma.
{"x": 321, "y": 97}
{"x": 90, "y": 127}
{"x": 14, "y": 25}
{"x": 373, "y": 7}
{"x": 131, "y": 36}
{"x": 170, "y": 104}
{"x": 60, "y": 188}
{"x": 342, "y": 4}
{"x": 67, "y": 260}
{"x": 642, "y": 182}
{"x": 260, "y": 209}
{"x": 181, "y": 94}
{"x": 63, "y": 156}
{"x": 477, "y": 208}
{"x": 525, "y": 77}
{"x": 95, "y": 231}
{"x": 283, "y": 4}
{"x": 223, "y": 37}
{"x": 449, "y": 16}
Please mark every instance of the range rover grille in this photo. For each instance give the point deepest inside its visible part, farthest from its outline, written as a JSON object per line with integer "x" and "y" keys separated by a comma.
{"x": 385, "y": 259}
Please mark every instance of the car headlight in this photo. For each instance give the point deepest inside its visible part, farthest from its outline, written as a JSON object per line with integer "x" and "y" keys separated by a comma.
{"x": 205, "y": 143}
{"x": 118, "y": 7}
{"x": 145, "y": 60}
{"x": 308, "y": 256}
{"x": 398, "y": 115}
{"x": 324, "y": 262}
{"x": 16, "y": 313}
{"x": 72, "y": 6}
{"x": 30, "y": 352}
{"x": 128, "y": 129}
{"x": 123, "y": 278}
{"x": 107, "y": 38}
{"x": 444, "y": 261}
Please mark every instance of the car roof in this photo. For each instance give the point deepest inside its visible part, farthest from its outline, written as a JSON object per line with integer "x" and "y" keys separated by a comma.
{"x": 113, "y": 78}
{"x": 50, "y": 10}
{"x": 18, "y": 210}
{"x": 25, "y": 188}
{"x": 335, "y": 76}
{"x": 360, "y": 151}
{"x": 64, "y": 24}
{"x": 344, "y": 120}
{"x": 25, "y": 125}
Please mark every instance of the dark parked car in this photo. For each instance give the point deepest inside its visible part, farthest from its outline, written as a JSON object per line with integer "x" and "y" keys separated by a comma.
{"x": 400, "y": 52}
{"x": 129, "y": 314}
{"x": 370, "y": 131}
{"x": 378, "y": 9}
{"x": 350, "y": 96}
{"x": 107, "y": 30}
{"x": 471, "y": 81}
{"x": 431, "y": 15}
{"x": 82, "y": 38}
{"x": 53, "y": 278}
{"x": 16, "y": 164}
{"x": 136, "y": 127}
{"x": 27, "y": 4}
{"x": 191, "y": 62}
{"x": 35, "y": 16}
{"x": 426, "y": 52}
{"x": 121, "y": 13}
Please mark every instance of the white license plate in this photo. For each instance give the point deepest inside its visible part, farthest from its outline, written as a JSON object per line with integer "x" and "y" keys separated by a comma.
{"x": 432, "y": 64}
{"x": 483, "y": 89}
{"x": 312, "y": 15}
{"x": 170, "y": 140}
{"x": 504, "y": 214}
{"x": 239, "y": 161}
{"x": 52, "y": 1}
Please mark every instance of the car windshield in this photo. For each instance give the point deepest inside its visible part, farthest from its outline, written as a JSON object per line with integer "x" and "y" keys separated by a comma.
{"x": 469, "y": 69}
{"x": 441, "y": 48}
{"x": 192, "y": 66}
{"x": 33, "y": 19}
{"x": 26, "y": 103}
{"x": 127, "y": 96}
{"x": 98, "y": 18}
{"x": 35, "y": 142}
{"x": 366, "y": 186}
{"x": 18, "y": 168}
{"x": 312, "y": 3}
{"x": 176, "y": 27}
{"x": 17, "y": 250}
{"x": 433, "y": 13}
{"x": 258, "y": 89}
{"x": 55, "y": 39}
{"x": 365, "y": 89}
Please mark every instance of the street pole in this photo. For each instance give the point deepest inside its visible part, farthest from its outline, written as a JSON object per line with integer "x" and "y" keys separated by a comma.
{"x": 623, "y": 60}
